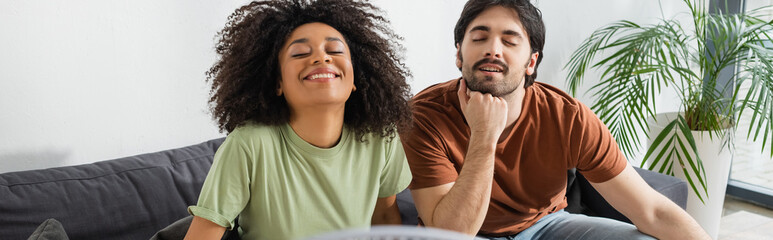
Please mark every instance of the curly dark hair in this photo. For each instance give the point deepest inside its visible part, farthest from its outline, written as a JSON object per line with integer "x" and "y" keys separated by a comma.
{"x": 245, "y": 77}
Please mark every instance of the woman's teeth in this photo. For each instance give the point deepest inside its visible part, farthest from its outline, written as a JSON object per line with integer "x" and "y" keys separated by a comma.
{"x": 322, "y": 75}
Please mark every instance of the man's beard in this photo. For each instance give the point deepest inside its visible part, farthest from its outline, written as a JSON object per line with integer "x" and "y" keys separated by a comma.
{"x": 487, "y": 84}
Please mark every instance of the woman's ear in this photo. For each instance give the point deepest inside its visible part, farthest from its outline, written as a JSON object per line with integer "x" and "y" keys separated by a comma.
{"x": 279, "y": 88}
{"x": 354, "y": 88}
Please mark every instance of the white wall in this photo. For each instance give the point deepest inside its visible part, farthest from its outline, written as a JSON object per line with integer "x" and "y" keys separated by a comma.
{"x": 568, "y": 23}
{"x": 84, "y": 81}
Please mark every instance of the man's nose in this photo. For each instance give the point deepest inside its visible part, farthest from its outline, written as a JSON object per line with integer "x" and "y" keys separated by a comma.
{"x": 494, "y": 49}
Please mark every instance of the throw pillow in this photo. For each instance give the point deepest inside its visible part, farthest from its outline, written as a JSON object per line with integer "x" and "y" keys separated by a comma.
{"x": 50, "y": 229}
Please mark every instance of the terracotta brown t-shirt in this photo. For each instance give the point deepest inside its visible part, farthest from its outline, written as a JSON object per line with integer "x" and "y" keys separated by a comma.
{"x": 554, "y": 133}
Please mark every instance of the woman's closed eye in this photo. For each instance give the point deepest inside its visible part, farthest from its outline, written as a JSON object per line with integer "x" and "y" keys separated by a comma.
{"x": 306, "y": 54}
{"x": 298, "y": 55}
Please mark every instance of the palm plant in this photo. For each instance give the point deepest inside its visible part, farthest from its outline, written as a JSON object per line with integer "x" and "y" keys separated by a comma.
{"x": 646, "y": 60}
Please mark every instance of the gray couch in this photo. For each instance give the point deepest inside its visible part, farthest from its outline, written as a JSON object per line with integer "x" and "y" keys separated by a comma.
{"x": 134, "y": 197}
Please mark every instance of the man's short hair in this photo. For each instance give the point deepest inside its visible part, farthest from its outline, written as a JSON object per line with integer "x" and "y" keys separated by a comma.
{"x": 530, "y": 17}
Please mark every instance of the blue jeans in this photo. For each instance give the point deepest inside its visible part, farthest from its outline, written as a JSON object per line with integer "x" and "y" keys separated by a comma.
{"x": 564, "y": 225}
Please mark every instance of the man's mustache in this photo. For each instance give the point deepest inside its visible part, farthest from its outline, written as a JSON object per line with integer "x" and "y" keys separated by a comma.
{"x": 505, "y": 69}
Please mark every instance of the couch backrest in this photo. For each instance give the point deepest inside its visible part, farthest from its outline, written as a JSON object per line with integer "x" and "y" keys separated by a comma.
{"x": 133, "y": 197}
{"x": 127, "y": 198}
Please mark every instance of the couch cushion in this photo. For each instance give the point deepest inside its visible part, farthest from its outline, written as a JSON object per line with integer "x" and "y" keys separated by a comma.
{"x": 127, "y": 198}
{"x": 408, "y": 213}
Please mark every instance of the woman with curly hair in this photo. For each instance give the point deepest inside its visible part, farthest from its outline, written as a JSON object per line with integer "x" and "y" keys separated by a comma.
{"x": 311, "y": 93}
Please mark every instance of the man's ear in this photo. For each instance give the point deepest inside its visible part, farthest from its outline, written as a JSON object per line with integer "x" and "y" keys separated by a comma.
{"x": 532, "y": 63}
{"x": 458, "y": 56}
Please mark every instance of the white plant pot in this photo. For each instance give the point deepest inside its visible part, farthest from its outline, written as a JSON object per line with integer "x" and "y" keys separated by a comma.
{"x": 716, "y": 162}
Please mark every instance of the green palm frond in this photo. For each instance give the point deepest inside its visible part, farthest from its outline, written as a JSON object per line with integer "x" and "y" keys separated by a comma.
{"x": 643, "y": 63}
{"x": 671, "y": 145}
{"x": 637, "y": 62}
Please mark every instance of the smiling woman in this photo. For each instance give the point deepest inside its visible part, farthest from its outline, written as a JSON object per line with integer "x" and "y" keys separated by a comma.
{"x": 312, "y": 100}
{"x": 246, "y": 79}
{"x": 316, "y": 69}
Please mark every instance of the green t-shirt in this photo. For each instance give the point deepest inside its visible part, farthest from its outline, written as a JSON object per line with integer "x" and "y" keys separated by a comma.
{"x": 282, "y": 187}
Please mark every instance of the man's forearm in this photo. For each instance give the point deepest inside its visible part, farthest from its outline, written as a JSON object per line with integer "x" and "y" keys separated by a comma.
{"x": 464, "y": 207}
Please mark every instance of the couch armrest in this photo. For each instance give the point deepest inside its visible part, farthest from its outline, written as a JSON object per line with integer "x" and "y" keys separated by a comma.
{"x": 593, "y": 204}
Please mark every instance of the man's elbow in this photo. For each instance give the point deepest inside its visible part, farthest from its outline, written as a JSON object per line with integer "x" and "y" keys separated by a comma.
{"x": 651, "y": 217}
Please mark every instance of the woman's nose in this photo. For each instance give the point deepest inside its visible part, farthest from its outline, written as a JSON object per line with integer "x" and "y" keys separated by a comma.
{"x": 324, "y": 57}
